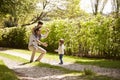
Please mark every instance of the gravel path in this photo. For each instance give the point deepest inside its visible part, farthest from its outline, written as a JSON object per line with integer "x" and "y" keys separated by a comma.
{"x": 72, "y": 66}
{"x": 28, "y": 72}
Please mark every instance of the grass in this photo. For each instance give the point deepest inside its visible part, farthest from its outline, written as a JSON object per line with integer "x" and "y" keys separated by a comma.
{"x": 6, "y": 73}
{"x": 84, "y": 61}
{"x": 96, "y": 77}
{"x": 39, "y": 64}
{"x": 19, "y": 59}
{"x": 15, "y": 58}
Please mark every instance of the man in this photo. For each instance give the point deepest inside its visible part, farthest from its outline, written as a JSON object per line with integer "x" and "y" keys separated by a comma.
{"x": 34, "y": 43}
{"x": 39, "y": 25}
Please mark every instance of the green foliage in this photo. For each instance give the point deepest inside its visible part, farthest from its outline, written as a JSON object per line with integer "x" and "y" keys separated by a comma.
{"x": 62, "y": 29}
{"x": 92, "y": 37}
{"x": 97, "y": 36}
{"x": 14, "y": 37}
{"x": 18, "y": 9}
{"x": 72, "y": 59}
{"x": 116, "y": 37}
{"x": 11, "y": 22}
{"x": 73, "y": 9}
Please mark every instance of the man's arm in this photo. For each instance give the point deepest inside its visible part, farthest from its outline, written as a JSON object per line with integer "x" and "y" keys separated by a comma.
{"x": 48, "y": 31}
{"x": 33, "y": 38}
{"x": 42, "y": 43}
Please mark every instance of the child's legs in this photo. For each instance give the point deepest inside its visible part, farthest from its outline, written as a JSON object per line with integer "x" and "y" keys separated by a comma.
{"x": 42, "y": 51}
{"x": 33, "y": 49}
{"x": 60, "y": 57}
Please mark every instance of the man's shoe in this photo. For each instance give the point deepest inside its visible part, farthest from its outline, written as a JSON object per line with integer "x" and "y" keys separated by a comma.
{"x": 60, "y": 63}
{"x": 36, "y": 60}
{"x": 31, "y": 61}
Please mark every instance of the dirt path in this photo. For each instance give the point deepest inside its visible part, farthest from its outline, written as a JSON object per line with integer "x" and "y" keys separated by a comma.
{"x": 72, "y": 66}
{"x": 28, "y": 72}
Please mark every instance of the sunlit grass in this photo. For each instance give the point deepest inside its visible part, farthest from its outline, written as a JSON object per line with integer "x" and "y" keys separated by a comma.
{"x": 66, "y": 72}
{"x": 6, "y": 73}
{"x": 84, "y": 61}
{"x": 24, "y": 61}
{"x": 55, "y": 56}
{"x": 14, "y": 58}
{"x": 96, "y": 77}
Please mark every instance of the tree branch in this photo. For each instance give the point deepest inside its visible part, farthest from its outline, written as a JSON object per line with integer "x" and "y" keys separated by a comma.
{"x": 42, "y": 14}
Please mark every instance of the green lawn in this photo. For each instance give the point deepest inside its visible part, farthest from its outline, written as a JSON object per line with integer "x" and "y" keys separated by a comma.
{"x": 19, "y": 59}
{"x": 85, "y": 61}
{"x": 96, "y": 77}
{"x": 15, "y": 58}
{"x": 6, "y": 73}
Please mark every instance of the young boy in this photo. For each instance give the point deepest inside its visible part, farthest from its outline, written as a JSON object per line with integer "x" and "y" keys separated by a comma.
{"x": 60, "y": 50}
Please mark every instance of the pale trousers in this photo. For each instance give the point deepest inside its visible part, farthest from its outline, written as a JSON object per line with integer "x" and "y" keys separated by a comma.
{"x": 37, "y": 49}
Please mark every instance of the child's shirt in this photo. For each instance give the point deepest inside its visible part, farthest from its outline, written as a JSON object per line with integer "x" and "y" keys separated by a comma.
{"x": 61, "y": 49}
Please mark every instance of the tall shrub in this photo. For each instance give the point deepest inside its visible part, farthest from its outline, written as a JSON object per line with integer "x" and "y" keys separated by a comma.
{"x": 14, "y": 37}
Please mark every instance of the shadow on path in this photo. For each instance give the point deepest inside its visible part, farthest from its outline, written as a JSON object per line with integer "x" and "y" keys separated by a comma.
{"x": 25, "y": 63}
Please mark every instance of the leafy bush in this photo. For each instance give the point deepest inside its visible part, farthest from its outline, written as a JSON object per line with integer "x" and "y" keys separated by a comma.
{"x": 92, "y": 37}
{"x": 62, "y": 29}
{"x": 97, "y": 36}
{"x": 11, "y": 22}
{"x": 14, "y": 37}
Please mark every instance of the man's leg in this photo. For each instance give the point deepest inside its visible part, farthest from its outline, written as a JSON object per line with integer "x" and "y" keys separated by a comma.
{"x": 33, "y": 53}
{"x": 42, "y": 51}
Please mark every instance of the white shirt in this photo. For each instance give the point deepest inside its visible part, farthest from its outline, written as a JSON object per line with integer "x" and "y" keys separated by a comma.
{"x": 61, "y": 49}
{"x": 33, "y": 40}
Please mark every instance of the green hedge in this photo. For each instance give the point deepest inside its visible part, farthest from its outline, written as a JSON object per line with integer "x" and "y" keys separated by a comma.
{"x": 97, "y": 36}
{"x": 62, "y": 29}
{"x": 14, "y": 37}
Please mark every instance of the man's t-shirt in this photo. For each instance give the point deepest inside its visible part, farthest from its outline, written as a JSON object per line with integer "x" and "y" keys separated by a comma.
{"x": 33, "y": 40}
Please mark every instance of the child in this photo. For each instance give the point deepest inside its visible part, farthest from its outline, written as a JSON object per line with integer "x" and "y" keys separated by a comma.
{"x": 61, "y": 50}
